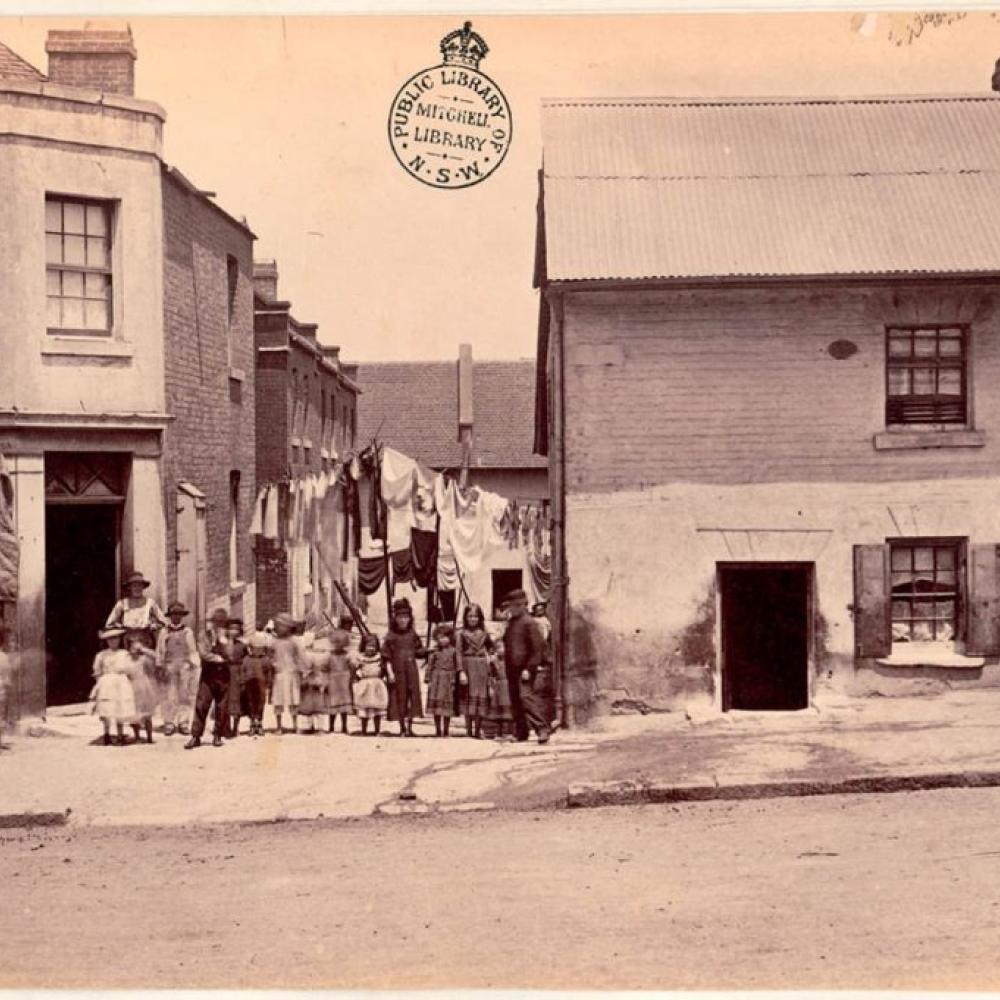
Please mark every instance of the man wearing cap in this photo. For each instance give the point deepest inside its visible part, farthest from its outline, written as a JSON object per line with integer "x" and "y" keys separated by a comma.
{"x": 177, "y": 666}
{"x": 213, "y": 686}
{"x": 524, "y": 652}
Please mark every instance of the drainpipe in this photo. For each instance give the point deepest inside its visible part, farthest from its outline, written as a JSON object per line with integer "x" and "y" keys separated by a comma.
{"x": 557, "y": 480}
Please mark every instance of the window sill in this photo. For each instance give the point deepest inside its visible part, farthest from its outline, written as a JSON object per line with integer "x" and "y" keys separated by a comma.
{"x": 929, "y": 655}
{"x": 86, "y": 347}
{"x": 237, "y": 374}
{"x": 237, "y": 587}
{"x": 912, "y": 439}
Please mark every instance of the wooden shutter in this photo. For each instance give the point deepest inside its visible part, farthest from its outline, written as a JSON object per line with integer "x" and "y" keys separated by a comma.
{"x": 983, "y": 635}
{"x": 871, "y": 601}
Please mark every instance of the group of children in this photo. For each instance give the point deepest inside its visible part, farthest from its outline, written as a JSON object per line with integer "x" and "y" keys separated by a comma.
{"x": 145, "y": 667}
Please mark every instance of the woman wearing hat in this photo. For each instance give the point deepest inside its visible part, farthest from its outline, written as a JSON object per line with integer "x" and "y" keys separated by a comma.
{"x": 112, "y": 693}
{"x": 401, "y": 649}
{"x": 138, "y": 614}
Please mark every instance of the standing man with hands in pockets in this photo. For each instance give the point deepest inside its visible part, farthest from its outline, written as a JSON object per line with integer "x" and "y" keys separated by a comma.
{"x": 524, "y": 656}
{"x": 215, "y": 649}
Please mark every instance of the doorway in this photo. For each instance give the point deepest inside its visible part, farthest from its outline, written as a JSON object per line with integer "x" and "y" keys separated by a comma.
{"x": 765, "y": 613}
{"x": 81, "y": 587}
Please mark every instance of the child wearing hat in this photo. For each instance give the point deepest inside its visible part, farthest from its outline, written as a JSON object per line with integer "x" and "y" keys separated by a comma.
{"x": 112, "y": 694}
{"x": 214, "y": 649}
{"x": 254, "y": 678}
{"x": 401, "y": 648}
{"x": 238, "y": 651}
{"x": 440, "y": 677}
{"x": 289, "y": 666}
{"x": 371, "y": 695}
{"x": 177, "y": 666}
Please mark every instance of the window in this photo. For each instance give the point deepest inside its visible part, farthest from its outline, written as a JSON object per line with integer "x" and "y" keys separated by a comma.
{"x": 504, "y": 581}
{"x": 232, "y": 280}
{"x": 78, "y": 265}
{"x": 234, "y": 520}
{"x": 926, "y": 375}
{"x": 925, "y": 590}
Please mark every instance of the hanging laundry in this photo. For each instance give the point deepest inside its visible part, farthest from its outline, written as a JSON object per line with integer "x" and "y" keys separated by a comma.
{"x": 371, "y": 575}
{"x": 270, "y": 518}
{"x": 540, "y": 572}
{"x": 257, "y": 519}
{"x": 352, "y": 502}
{"x": 424, "y": 549}
{"x": 398, "y": 480}
{"x": 402, "y": 567}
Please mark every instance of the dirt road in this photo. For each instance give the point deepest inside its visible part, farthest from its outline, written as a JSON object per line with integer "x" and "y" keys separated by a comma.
{"x": 867, "y": 892}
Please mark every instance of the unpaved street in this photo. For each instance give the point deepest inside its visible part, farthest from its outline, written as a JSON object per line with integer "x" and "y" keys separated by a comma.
{"x": 868, "y": 891}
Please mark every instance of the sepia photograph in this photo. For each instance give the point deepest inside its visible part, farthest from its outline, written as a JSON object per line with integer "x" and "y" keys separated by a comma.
{"x": 522, "y": 488}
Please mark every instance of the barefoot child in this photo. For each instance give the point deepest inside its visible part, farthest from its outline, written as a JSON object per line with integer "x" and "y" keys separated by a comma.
{"x": 441, "y": 675}
{"x": 255, "y": 671}
{"x": 112, "y": 693}
{"x": 371, "y": 696}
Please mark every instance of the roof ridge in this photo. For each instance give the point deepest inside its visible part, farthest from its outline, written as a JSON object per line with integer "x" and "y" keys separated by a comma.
{"x": 764, "y": 100}
{"x": 968, "y": 172}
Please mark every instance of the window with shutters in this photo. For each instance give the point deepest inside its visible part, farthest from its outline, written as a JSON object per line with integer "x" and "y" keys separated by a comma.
{"x": 78, "y": 274}
{"x": 926, "y": 375}
{"x": 925, "y": 586}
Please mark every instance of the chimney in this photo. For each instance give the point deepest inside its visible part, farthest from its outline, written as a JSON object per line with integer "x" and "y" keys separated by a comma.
{"x": 94, "y": 58}
{"x": 265, "y": 279}
{"x": 465, "y": 415}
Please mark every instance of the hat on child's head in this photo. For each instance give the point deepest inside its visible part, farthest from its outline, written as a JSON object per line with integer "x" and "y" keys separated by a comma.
{"x": 285, "y": 620}
{"x": 177, "y": 608}
{"x": 515, "y": 595}
{"x": 111, "y": 632}
{"x": 136, "y": 577}
{"x": 402, "y": 607}
{"x": 219, "y": 615}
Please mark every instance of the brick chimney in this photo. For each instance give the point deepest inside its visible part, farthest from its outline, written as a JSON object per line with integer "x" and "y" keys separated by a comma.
{"x": 265, "y": 279}
{"x": 98, "y": 59}
{"x": 465, "y": 409}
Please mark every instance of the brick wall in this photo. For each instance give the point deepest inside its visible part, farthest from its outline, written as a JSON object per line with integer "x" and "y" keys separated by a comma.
{"x": 113, "y": 72}
{"x": 213, "y": 426}
{"x": 730, "y": 386}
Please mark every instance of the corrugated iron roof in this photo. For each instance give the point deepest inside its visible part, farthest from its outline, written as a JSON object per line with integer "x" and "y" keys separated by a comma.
{"x": 685, "y": 189}
{"x": 13, "y": 67}
{"x": 413, "y": 407}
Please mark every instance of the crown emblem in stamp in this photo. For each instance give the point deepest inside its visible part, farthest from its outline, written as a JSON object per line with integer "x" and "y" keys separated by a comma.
{"x": 450, "y": 125}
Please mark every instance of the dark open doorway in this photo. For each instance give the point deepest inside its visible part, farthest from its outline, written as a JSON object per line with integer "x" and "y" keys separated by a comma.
{"x": 765, "y": 635}
{"x": 81, "y": 574}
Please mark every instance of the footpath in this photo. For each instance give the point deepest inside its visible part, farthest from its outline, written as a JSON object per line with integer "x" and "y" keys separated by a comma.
{"x": 63, "y": 774}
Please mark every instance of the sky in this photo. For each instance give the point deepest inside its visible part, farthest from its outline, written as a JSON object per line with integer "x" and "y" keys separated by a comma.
{"x": 285, "y": 119}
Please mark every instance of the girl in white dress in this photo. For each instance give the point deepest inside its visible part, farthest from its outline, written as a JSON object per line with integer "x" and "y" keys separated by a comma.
{"x": 112, "y": 693}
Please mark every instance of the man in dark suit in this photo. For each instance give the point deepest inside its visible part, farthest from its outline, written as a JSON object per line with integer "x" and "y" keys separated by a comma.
{"x": 524, "y": 655}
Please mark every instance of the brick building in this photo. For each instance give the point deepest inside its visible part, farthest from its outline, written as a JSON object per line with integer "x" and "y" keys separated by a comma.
{"x": 126, "y": 396}
{"x": 767, "y": 351}
{"x": 306, "y": 421}
{"x": 465, "y": 413}
{"x": 209, "y": 462}
{"x": 82, "y": 393}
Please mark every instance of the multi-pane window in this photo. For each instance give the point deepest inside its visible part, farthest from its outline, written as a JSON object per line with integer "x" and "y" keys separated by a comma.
{"x": 925, "y": 590}
{"x": 78, "y": 265}
{"x": 926, "y": 375}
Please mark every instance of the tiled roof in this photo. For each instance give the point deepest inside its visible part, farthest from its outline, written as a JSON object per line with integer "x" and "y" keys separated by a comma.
{"x": 749, "y": 187}
{"x": 13, "y": 67}
{"x": 413, "y": 407}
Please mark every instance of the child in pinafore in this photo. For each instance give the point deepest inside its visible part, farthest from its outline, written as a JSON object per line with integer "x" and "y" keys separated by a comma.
{"x": 315, "y": 681}
{"x": 289, "y": 666}
{"x": 177, "y": 669}
{"x": 371, "y": 696}
{"x": 474, "y": 648}
{"x": 112, "y": 694}
{"x": 401, "y": 648}
{"x": 254, "y": 680}
{"x": 338, "y": 693}
{"x": 440, "y": 677}
{"x": 142, "y": 673}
